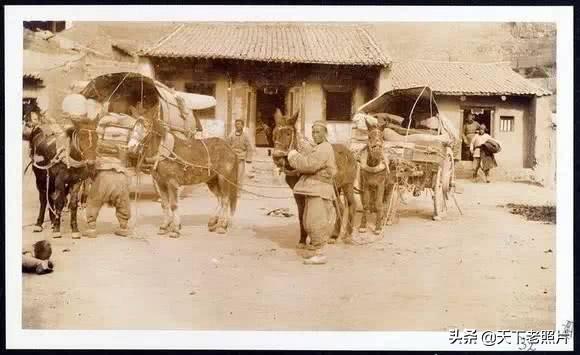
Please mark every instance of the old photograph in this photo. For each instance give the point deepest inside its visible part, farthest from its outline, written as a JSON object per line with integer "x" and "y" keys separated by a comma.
{"x": 290, "y": 176}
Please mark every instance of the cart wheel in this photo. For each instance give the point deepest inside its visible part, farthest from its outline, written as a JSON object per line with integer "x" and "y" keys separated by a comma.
{"x": 392, "y": 198}
{"x": 447, "y": 174}
{"x": 439, "y": 203}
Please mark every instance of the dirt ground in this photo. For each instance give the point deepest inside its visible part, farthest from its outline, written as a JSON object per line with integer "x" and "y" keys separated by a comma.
{"x": 487, "y": 269}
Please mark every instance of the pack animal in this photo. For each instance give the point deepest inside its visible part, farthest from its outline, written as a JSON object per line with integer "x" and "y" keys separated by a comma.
{"x": 374, "y": 171}
{"x": 174, "y": 160}
{"x": 57, "y": 174}
{"x": 287, "y": 137}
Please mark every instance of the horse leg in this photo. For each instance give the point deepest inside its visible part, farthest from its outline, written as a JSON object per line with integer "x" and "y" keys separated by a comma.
{"x": 223, "y": 220}
{"x": 175, "y": 226}
{"x": 74, "y": 204}
{"x": 58, "y": 194}
{"x": 350, "y": 205}
{"x": 365, "y": 200}
{"x": 41, "y": 188}
{"x": 338, "y": 223}
{"x": 301, "y": 203}
{"x": 161, "y": 189}
{"x": 379, "y": 206}
{"x": 213, "y": 186}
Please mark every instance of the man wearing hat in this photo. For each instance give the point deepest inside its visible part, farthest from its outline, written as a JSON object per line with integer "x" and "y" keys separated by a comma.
{"x": 242, "y": 145}
{"x": 482, "y": 158}
{"x": 317, "y": 168}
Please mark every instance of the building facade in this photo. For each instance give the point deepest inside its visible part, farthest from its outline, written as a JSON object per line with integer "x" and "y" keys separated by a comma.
{"x": 515, "y": 110}
{"x": 321, "y": 71}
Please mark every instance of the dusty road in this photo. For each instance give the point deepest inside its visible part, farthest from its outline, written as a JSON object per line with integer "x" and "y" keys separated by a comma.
{"x": 488, "y": 269}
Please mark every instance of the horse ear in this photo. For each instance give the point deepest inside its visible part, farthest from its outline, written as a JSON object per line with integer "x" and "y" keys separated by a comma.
{"x": 292, "y": 120}
{"x": 278, "y": 114}
{"x": 369, "y": 125}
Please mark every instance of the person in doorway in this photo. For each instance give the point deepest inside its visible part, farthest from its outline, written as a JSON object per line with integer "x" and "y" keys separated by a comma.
{"x": 470, "y": 129}
{"x": 483, "y": 147}
{"x": 318, "y": 169}
{"x": 242, "y": 145}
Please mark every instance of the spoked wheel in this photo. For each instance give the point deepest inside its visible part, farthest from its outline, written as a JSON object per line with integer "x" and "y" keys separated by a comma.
{"x": 392, "y": 199}
{"x": 439, "y": 203}
{"x": 442, "y": 187}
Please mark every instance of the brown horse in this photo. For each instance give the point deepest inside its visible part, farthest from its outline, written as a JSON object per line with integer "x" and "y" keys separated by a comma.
{"x": 175, "y": 161}
{"x": 373, "y": 177}
{"x": 287, "y": 137}
{"x": 57, "y": 175}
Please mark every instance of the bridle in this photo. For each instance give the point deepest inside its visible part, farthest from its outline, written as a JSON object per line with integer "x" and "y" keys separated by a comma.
{"x": 291, "y": 146}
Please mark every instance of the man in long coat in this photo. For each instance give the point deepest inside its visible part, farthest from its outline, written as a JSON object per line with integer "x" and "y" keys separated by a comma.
{"x": 242, "y": 145}
{"x": 318, "y": 169}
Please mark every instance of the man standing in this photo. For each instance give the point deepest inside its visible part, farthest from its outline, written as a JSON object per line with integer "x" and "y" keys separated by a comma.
{"x": 483, "y": 158}
{"x": 240, "y": 142}
{"x": 111, "y": 183}
{"x": 317, "y": 168}
{"x": 470, "y": 129}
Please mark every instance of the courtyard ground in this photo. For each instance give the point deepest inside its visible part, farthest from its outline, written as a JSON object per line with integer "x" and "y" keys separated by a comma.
{"x": 487, "y": 269}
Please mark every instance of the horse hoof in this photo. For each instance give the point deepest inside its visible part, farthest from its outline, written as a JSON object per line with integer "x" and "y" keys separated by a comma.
{"x": 212, "y": 228}
{"x": 162, "y": 230}
{"x": 362, "y": 230}
{"x": 437, "y": 218}
{"x": 301, "y": 246}
{"x": 173, "y": 234}
{"x": 75, "y": 235}
{"x": 56, "y": 235}
{"x": 377, "y": 231}
{"x": 221, "y": 230}
{"x": 212, "y": 221}
{"x": 332, "y": 240}
{"x": 37, "y": 229}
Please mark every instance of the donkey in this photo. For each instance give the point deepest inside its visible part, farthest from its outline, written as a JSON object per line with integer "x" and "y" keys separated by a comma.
{"x": 374, "y": 172}
{"x": 57, "y": 175}
{"x": 287, "y": 137}
{"x": 174, "y": 162}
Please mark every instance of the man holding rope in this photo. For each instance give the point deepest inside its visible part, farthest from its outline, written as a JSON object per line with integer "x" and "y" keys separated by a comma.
{"x": 317, "y": 168}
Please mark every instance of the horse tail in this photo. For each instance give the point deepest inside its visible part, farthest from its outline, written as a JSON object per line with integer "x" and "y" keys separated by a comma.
{"x": 233, "y": 190}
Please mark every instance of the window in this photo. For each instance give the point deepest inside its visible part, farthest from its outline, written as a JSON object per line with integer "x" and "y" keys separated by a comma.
{"x": 338, "y": 105}
{"x": 506, "y": 123}
{"x": 202, "y": 89}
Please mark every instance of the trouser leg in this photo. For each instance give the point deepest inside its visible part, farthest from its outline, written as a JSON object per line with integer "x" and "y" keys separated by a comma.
{"x": 319, "y": 220}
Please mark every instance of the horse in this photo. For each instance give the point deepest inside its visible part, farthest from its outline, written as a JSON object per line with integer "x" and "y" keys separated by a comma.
{"x": 57, "y": 175}
{"x": 374, "y": 173}
{"x": 174, "y": 160}
{"x": 286, "y": 137}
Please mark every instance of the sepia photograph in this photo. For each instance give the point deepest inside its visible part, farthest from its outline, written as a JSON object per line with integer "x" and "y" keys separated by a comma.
{"x": 286, "y": 175}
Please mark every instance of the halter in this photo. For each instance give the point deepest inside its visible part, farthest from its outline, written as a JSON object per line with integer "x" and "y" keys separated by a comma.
{"x": 292, "y": 135}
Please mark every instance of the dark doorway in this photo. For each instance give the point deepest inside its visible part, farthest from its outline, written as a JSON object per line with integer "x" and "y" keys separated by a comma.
{"x": 268, "y": 99}
{"x": 482, "y": 116}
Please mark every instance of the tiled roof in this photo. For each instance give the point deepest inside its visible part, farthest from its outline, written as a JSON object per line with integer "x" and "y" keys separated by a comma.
{"x": 273, "y": 42}
{"x": 455, "y": 78}
{"x": 129, "y": 47}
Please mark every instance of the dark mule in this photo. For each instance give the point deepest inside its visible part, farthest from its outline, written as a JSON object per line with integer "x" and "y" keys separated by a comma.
{"x": 59, "y": 176}
{"x": 286, "y": 137}
{"x": 373, "y": 178}
{"x": 174, "y": 162}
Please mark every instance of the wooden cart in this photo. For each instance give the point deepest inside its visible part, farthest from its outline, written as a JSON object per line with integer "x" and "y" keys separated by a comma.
{"x": 415, "y": 167}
